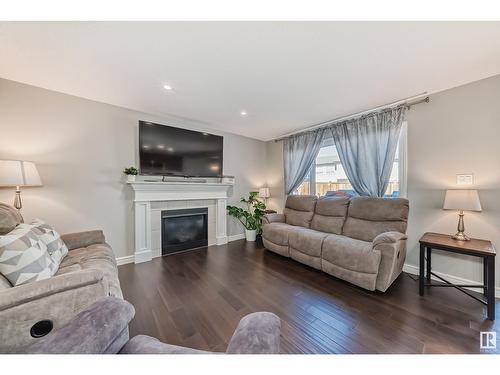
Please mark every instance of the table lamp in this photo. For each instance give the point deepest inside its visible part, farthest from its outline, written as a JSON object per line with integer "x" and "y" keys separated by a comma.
{"x": 18, "y": 173}
{"x": 461, "y": 200}
{"x": 264, "y": 193}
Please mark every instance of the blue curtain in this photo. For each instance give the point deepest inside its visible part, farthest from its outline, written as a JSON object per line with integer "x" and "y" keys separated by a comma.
{"x": 367, "y": 147}
{"x": 299, "y": 153}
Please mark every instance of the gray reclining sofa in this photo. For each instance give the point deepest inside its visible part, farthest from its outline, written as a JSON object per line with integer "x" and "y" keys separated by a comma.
{"x": 361, "y": 240}
{"x": 87, "y": 274}
{"x": 103, "y": 329}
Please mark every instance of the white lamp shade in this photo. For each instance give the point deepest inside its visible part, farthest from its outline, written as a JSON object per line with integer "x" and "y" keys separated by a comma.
{"x": 264, "y": 192}
{"x": 19, "y": 173}
{"x": 464, "y": 200}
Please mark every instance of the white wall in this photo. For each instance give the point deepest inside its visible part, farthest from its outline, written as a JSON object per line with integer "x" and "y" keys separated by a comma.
{"x": 457, "y": 132}
{"x": 81, "y": 148}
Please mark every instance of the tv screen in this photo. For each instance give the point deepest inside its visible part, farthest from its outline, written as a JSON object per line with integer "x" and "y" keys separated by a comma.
{"x": 168, "y": 151}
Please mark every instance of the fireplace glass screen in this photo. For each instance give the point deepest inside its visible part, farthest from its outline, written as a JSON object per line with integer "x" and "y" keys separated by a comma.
{"x": 183, "y": 229}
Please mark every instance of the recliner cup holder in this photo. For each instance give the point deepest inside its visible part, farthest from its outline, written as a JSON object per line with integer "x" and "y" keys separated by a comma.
{"x": 41, "y": 328}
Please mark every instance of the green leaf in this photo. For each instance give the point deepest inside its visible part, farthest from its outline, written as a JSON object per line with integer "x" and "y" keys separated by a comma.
{"x": 251, "y": 217}
{"x": 131, "y": 171}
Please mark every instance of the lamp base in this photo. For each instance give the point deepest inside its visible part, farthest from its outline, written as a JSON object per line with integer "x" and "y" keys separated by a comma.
{"x": 18, "y": 203}
{"x": 460, "y": 236}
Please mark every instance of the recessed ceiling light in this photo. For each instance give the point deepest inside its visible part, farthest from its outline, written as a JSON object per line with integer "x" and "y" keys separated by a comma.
{"x": 168, "y": 87}
{"x": 170, "y": 149}
{"x": 243, "y": 113}
{"x": 161, "y": 147}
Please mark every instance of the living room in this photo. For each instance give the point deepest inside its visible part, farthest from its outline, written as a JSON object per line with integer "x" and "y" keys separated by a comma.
{"x": 249, "y": 187}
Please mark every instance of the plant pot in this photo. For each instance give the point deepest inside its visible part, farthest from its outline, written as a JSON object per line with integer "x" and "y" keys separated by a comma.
{"x": 250, "y": 235}
{"x": 131, "y": 177}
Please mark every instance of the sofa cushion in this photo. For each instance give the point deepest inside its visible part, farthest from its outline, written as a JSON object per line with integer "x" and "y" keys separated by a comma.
{"x": 99, "y": 257}
{"x": 307, "y": 241}
{"x": 350, "y": 254}
{"x": 301, "y": 202}
{"x": 24, "y": 257}
{"x": 329, "y": 214}
{"x": 309, "y": 260}
{"x": 283, "y": 250}
{"x": 278, "y": 233}
{"x": 299, "y": 209}
{"x": 9, "y": 218}
{"x": 368, "y": 217}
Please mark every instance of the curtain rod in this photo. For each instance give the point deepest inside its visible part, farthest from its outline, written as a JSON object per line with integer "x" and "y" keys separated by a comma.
{"x": 410, "y": 101}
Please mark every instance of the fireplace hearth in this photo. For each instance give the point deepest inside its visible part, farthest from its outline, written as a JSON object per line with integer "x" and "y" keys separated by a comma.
{"x": 183, "y": 230}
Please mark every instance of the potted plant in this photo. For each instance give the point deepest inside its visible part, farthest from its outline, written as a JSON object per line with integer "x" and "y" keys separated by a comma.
{"x": 251, "y": 217}
{"x": 131, "y": 172}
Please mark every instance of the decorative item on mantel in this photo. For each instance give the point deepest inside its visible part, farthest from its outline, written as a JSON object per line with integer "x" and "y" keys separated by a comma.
{"x": 461, "y": 200}
{"x": 18, "y": 173}
{"x": 131, "y": 173}
{"x": 251, "y": 217}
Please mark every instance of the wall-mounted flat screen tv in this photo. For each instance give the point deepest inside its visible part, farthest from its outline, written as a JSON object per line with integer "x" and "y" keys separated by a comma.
{"x": 169, "y": 151}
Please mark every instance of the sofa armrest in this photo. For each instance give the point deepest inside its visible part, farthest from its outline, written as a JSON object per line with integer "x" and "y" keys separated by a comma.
{"x": 392, "y": 248}
{"x": 273, "y": 218}
{"x": 57, "y": 299}
{"x": 83, "y": 239}
{"x": 18, "y": 295}
{"x": 388, "y": 237}
{"x": 257, "y": 333}
{"x": 99, "y": 329}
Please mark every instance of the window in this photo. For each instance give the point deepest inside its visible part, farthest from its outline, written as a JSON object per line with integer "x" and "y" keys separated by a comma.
{"x": 327, "y": 176}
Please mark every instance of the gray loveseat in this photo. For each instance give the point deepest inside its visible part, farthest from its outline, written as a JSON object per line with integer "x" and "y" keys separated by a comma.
{"x": 361, "y": 240}
{"x": 88, "y": 273}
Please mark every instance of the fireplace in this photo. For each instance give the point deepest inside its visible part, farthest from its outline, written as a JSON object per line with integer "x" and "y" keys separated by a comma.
{"x": 183, "y": 230}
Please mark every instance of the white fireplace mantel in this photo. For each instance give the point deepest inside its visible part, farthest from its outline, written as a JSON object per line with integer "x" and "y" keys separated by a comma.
{"x": 147, "y": 192}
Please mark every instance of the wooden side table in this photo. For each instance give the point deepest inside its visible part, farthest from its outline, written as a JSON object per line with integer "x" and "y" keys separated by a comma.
{"x": 478, "y": 248}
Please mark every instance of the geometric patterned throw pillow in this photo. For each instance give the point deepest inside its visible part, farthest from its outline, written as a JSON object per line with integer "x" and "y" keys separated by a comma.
{"x": 55, "y": 246}
{"x": 24, "y": 257}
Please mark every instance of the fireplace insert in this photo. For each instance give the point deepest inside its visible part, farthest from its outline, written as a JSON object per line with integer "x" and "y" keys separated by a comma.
{"x": 183, "y": 230}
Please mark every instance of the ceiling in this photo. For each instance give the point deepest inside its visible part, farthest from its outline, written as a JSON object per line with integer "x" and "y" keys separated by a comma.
{"x": 286, "y": 75}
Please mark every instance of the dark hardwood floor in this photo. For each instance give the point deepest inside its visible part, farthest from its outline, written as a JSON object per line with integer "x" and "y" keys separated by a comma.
{"x": 196, "y": 299}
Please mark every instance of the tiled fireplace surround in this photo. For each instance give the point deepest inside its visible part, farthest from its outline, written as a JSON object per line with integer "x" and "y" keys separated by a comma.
{"x": 158, "y": 207}
{"x": 150, "y": 198}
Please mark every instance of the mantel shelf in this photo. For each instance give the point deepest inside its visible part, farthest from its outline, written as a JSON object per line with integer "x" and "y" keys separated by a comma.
{"x": 176, "y": 183}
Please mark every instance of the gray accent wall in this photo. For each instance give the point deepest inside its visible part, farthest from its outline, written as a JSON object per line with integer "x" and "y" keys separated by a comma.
{"x": 457, "y": 132}
{"x": 275, "y": 175}
{"x": 81, "y": 147}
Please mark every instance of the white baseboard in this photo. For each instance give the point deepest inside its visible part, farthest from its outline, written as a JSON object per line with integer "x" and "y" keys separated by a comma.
{"x": 452, "y": 279}
{"x": 236, "y": 237}
{"x": 143, "y": 256}
{"x": 131, "y": 258}
{"x": 125, "y": 260}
